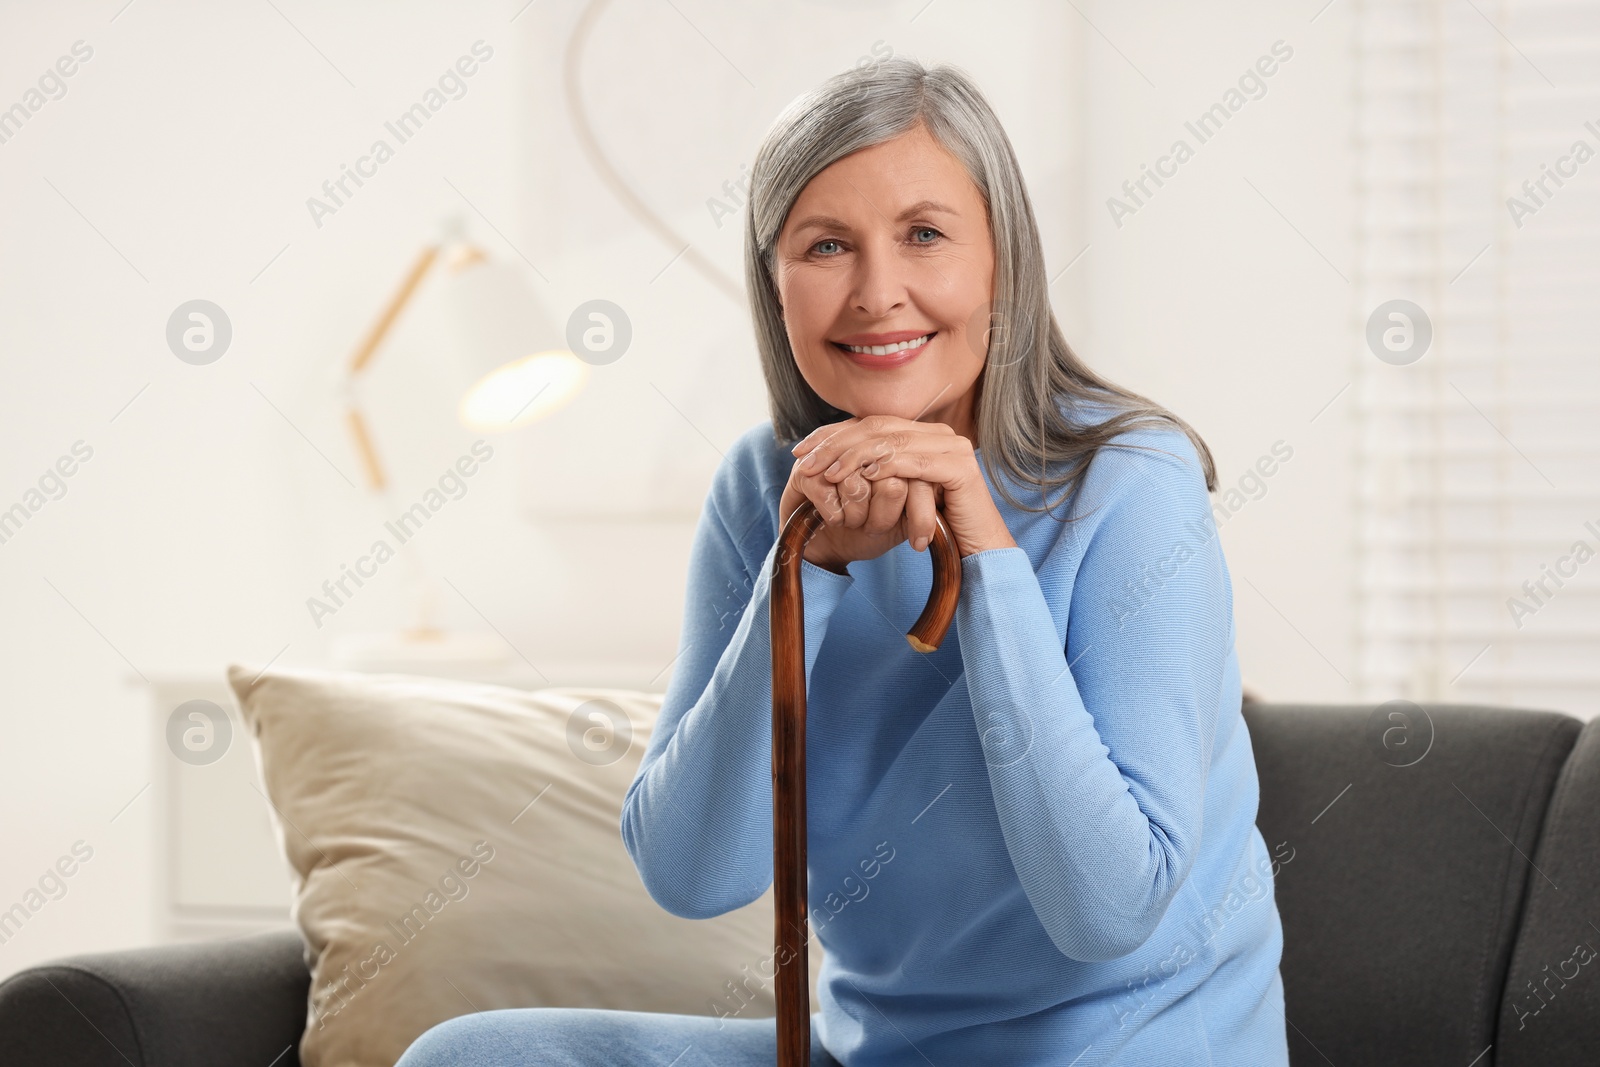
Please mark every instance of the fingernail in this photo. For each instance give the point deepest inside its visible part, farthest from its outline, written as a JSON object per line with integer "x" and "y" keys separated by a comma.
{"x": 809, "y": 461}
{"x": 833, "y": 468}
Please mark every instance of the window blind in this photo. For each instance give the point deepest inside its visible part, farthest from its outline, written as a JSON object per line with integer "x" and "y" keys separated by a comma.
{"x": 1478, "y": 469}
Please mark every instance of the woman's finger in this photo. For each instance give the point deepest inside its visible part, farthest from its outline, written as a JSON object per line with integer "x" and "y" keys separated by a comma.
{"x": 888, "y": 505}
{"x": 920, "y": 523}
{"x": 854, "y": 496}
{"x": 858, "y": 441}
{"x": 837, "y": 457}
{"x": 820, "y": 492}
{"x": 830, "y": 439}
{"x": 943, "y": 461}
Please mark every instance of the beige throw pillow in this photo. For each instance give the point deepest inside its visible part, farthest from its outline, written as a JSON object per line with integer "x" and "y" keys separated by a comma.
{"x": 455, "y": 848}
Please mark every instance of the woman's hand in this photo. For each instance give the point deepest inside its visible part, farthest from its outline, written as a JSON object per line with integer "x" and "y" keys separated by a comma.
{"x": 861, "y": 519}
{"x": 876, "y": 481}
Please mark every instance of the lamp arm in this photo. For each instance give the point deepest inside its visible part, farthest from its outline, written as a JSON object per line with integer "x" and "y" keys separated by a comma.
{"x": 368, "y": 348}
{"x": 402, "y": 296}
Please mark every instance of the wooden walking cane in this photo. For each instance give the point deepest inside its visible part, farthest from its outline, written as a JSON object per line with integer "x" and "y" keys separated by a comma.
{"x": 789, "y": 755}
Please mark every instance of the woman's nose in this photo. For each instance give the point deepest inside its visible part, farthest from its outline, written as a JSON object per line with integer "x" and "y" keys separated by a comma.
{"x": 879, "y": 284}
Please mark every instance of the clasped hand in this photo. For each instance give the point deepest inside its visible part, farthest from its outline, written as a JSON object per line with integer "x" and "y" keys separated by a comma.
{"x": 876, "y": 480}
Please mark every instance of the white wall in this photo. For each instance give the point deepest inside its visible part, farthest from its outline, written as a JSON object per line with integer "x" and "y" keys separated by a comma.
{"x": 178, "y": 164}
{"x": 187, "y": 146}
{"x": 1214, "y": 298}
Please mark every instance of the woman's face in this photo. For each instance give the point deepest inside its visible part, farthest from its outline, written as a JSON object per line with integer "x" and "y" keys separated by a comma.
{"x": 890, "y": 244}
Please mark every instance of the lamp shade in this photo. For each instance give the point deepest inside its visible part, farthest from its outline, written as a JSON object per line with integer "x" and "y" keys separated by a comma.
{"x": 515, "y": 359}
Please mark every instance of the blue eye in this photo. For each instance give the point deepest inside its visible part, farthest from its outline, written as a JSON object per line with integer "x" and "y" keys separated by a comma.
{"x": 827, "y": 241}
{"x": 926, "y": 229}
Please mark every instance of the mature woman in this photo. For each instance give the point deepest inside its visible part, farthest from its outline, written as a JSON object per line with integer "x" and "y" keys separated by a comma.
{"x": 1036, "y": 845}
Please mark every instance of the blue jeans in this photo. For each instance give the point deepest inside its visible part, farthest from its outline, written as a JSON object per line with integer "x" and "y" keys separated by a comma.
{"x": 595, "y": 1037}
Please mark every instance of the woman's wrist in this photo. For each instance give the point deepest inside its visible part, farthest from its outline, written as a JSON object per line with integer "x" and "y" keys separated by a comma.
{"x": 1002, "y": 539}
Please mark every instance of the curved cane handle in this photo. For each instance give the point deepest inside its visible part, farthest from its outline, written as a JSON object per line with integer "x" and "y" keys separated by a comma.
{"x": 789, "y": 755}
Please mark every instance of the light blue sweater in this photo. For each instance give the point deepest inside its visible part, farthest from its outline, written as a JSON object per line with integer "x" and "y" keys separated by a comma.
{"x": 1036, "y": 845}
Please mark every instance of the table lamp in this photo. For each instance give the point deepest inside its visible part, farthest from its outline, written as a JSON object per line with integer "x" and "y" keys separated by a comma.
{"x": 519, "y": 370}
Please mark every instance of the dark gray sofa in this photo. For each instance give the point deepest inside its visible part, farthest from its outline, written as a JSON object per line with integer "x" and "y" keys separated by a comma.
{"x": 1436, "y": 910}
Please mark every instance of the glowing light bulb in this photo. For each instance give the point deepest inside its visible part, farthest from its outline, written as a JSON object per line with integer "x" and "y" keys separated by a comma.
{"x": 522, "y": 391}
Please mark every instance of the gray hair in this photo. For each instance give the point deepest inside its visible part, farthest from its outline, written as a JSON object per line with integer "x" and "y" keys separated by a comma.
{"x": 1027, "y": 362}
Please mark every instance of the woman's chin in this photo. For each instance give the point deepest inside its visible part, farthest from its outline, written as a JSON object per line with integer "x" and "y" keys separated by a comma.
{"x": 901, "y": 403}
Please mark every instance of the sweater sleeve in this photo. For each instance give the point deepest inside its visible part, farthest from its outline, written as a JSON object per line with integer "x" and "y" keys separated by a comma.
{"x": 1098, "y": 763}
{"x": 697, "y": 818}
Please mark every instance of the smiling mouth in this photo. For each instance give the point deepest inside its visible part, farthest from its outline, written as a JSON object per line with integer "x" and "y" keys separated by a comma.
{"x": 886, "y": 350}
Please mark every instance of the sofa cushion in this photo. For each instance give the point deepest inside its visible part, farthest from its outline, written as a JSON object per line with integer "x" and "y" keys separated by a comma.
{"x": 1551, "y": 1010}
{"x": 456, "y": 847}
{"x": 1411, "y": 830}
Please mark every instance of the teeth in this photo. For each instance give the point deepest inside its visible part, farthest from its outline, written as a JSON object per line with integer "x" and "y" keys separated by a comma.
{"x": 884, "y": 350}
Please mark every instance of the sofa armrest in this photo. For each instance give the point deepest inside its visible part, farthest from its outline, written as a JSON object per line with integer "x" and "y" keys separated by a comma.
{"x": 204, "y": 1004}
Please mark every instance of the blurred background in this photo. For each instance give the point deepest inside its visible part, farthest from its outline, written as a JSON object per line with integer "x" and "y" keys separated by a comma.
{"x": 236, "y": 334}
